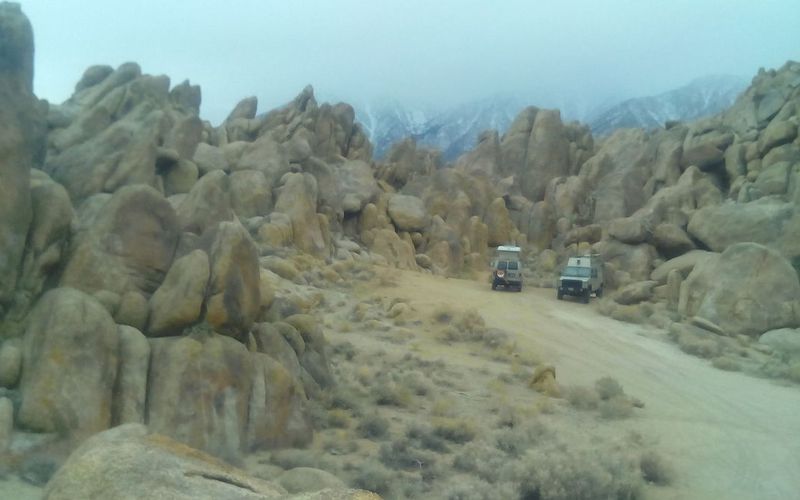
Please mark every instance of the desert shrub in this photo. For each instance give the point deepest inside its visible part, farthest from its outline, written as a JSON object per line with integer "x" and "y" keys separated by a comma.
{"x": 608, "y": 388}
{"x": 698, "y": 346}
{"x": 374, "y": 477}
{"x": 457, "y": 430}
{"x": 726, "y": 363}
{"x": 338, "y": 418}
{"x": 444, "y": 407}
{"x": 481, "y": 460}
{"x": 344, "y": 398}
{"x": 400, "y": 454}
{"x": 340, "y": 442}
{"x": 292, "y": 458}
{"x": 426, "y": 438}
{"x": 582, "y": 398}
{"x": 373, "y": 426}
{"x": 416, "y": 383}
{"x": 344, "y": 349}
{"x": 654, "y": 469}
{"x": 796, "y": 265}
{"x": 388, "y": 393}
{"x": 513, "y": 442}
{"x": 443, "y": 314}
{"x": 468, "y": 488}
{"x": 616, "y": 407}
{"x": 564, "y": 473}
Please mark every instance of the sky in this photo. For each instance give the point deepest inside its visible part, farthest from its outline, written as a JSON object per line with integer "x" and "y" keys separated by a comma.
{"x": 419, "y": 53}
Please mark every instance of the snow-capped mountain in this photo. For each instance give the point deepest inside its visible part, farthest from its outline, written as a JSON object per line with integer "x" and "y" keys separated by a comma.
{"x": 455, "y": 130}
{"x": 702, "y": 97}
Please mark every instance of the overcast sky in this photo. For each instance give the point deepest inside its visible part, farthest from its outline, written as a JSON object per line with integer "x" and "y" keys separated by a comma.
{"x": 417, "y": 52}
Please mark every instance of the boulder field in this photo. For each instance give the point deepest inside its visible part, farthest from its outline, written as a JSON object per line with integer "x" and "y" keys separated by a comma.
{"x": 152, "y": 264}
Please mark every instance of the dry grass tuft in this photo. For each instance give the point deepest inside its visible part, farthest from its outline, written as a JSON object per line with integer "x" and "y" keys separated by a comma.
{"x": 373, "y": 426}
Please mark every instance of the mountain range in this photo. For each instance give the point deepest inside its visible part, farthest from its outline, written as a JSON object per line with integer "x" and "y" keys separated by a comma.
{"x": 455, "y": 130}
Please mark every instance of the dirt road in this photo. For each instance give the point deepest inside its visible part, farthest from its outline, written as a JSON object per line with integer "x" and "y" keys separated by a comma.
{"x": 727, "y": 435}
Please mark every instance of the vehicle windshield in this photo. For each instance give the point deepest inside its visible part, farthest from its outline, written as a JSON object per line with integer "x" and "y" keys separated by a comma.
{"x": 511, "y": 265}
{"x": 578, "y": 272}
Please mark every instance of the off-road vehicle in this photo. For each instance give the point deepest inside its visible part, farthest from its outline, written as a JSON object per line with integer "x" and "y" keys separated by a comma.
{"x": 581, "y": 277}
{"x": 507, "y": 268}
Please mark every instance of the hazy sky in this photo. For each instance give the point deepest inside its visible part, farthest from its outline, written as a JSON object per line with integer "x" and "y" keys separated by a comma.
{"x": 418, "y": 52}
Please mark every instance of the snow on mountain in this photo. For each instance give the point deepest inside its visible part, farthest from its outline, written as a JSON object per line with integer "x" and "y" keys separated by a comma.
{"x": 455, "y": 130}
{"x": 702, "y": 97}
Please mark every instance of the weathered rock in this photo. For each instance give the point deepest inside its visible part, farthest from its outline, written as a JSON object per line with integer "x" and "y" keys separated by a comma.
{"x": 748, "y": 289}
{"x": 178, "y": 301}
{"x": 777, "y": 134}
{"x": 634, "y": 293}
{"x": 207, "y": 203}
{"x": 671, "y": 240}
{"x": 127, "y": 462}
{"x": 199, "y": 391}
{"x": 408, "y": 213}
{"x": 307, "y": 479}
{"x": 637, "y": 260}
{"x": 277, "y": 232}
{"x": 297, "y": 198}
{"x": 18, "y": 141}
{"x": 209, "y": 158}
{"x": 547, "y": 154}
{"x": 357, "y": 185}
{"x": 251, "y": 194}
{"x": 70, "y": 360}
{"x": 631, "y": 230}
{"x": 683, "y": 264}
{"x": 233, "y": 296}
{"x": 766, "y": 221}
{"x": 785, "y": 341}
{"x": 277, "y": 415}
{"x": 397, "y": 252}
{"x": 132, "y": 310}
{"x": 128, "y": 247}
{"x": 6, "y": 423}
{"x": 774, "y": 180}
{"x": 130, "y": 390}
{"x": 674, "y": 282}
{"x": 10, "y": 363}
{"x": 181, "y": 178}
{"x": 498, "y": 223}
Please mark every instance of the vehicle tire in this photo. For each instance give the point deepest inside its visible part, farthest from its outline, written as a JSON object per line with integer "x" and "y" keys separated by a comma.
{"x": 494, "y": 285}
{"x": 519, "y": 288}
{"x": 585, "y": 296}
{"x": 599, "y": 292}
{"x": 560, "y": 295}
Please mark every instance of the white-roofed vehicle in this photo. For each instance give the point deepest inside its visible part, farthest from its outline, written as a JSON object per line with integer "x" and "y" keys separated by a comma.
{"x": 581, "y": 277}
{"x": 507, "y": 268}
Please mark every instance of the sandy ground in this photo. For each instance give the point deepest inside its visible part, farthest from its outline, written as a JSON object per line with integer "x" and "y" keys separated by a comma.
{"x": 728, "y": 435}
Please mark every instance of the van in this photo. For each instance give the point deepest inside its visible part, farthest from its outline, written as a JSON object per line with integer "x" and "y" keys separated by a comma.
{"x": 507, "y": 268}
{"x": 581, "y": 277}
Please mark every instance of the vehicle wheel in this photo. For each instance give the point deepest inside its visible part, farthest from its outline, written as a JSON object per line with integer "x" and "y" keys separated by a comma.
{"x": 560, "y": 295}
{"x": 519, "y": 288}
{"x": 586, "y": 296}
{"x": 494, "y": 286}
{"x": 599, "y": 292}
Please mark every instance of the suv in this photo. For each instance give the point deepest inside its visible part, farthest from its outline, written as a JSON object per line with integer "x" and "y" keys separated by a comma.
{"x": 580, "y": 277}
{"x": 507, "y": 268}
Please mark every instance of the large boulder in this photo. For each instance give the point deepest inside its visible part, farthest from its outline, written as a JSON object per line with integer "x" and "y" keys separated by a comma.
{"x": 357, "y": 185}
{"x": 748, "y": 289}
{"x": 18, "y": 136}
{"x": 498, "y": 223}
{"x": 233, "y": 294}
{"x": 297, "y": 197}
{"x": 277, "y": 410}
{"x": 408, "y": 213}
{"x": 70, "y": 362}
{"x": 208, "y": 203}
{"x": 129, "y": 245}
{"x": 199, "y": 392}
{"x": 130, "y": 392}
{"x": 767, "y": 221}
{"x": 128, "y": 462}
{"x": 178, "y": 302}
